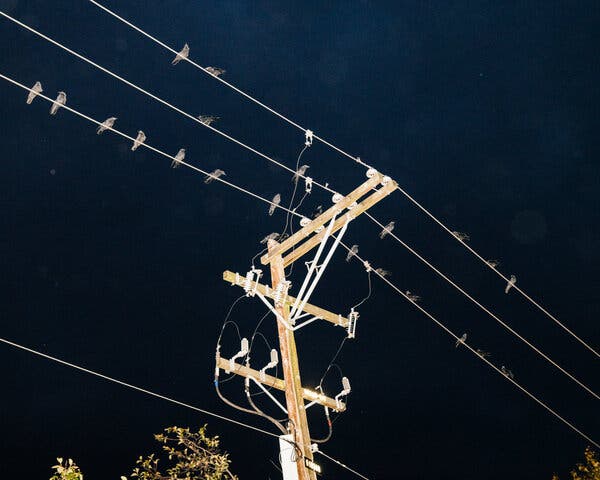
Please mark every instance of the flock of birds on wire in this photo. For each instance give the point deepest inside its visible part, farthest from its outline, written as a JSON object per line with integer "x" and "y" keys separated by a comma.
{"x": 300, "y": 172}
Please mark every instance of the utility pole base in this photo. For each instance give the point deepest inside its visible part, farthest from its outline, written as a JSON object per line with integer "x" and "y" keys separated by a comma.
{"x": 288, "y": 457}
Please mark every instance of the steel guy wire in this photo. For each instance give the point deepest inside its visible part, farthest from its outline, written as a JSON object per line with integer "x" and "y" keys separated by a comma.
{"x": 134, "y": 387}
{"x": 474, "y": 351}
{"x": 486, "y": 310}
{"x": 359, "y": 161}
{"x": 149, "y": 147}
{"x": 154, "y": 97}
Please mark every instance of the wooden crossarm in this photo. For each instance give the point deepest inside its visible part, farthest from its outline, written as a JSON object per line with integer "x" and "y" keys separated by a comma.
{"x": 322, "y": 219}
{"x": 236, "y": 279}
{"x": 279, "y": 384}
{"x": 362, "y": 207}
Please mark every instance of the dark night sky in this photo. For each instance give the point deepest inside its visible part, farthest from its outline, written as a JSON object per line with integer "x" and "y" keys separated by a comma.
{"x": 487, "y": 112}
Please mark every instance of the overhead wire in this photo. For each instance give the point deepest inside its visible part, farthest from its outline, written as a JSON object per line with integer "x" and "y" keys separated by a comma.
{"x": 360, "y": 475}
{"x": 154, "y": 97}
{"x": 360, "y": 162}
{"x": 484, "y": 309}
{"x": 10, "y": 80}
{"x": 500, "y": 274}
{"x": 134, "y": 387}
{"x": 68, "y": 108}
{"x": 151, "y": 148}
{"x": 27, "y": 27}
{"x": 474, "y": 351}
{"x": 258, "y": 197}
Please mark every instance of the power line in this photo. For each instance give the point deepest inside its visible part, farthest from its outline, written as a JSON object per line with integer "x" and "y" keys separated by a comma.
{"x": 481, "y": 357}
{"x": 345, "y": 246}
{"x": 322, "y": 186}
{"x": 357, "y": 160}
{"x": 149, "y": 147}
{"x": 154, "y": 394}
{"x": 486, "y": 310}
{"x": 495, "y": 270}
{"x": 134, "y": 387}
{"x": 14, "y": 82}
{"x": 342, "y": 465}
{"x": 158, "y": 99}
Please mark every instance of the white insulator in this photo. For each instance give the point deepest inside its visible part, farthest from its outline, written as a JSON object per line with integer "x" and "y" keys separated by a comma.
{"x": 337, "y": 197}
{"x": 320, "y": 229}
{"x": 248, "y": 282}
{"x": 371, "y": 172}
{"x": 385, "y": 180}
{"x": 352, "y": 205}
{"x": 304, "y": 221}
{"x": 308, "y": 183}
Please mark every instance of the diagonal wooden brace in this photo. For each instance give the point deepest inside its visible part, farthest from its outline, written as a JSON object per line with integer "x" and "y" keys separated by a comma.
{"x": 362, "y": 207}
{"x": 237, "y": 279}
{"x": 322, "y": 219}
{"x": 270, "y": 381}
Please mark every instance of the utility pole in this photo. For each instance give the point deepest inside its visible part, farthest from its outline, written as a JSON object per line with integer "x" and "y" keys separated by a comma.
{"x": 291, "y": 373}
{"x": 294, "y": 313}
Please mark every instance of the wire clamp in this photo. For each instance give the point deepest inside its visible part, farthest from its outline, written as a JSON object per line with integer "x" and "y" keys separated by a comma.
{"x": 308, "y": 183}
{"x": 309, "y": 138}
{"x": 367, "y": 266}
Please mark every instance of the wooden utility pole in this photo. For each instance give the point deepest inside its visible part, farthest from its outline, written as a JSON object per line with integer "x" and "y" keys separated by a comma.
{"x": 314, "y": 233}
{"x": 291, "y": 373}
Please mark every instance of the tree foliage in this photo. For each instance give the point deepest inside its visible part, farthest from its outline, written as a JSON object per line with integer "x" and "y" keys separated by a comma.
{"x": 590, "y": 470}
{"x": 192, "y": 455}
{"x": 184, "y": 455}
{"x": 66, "y": 470}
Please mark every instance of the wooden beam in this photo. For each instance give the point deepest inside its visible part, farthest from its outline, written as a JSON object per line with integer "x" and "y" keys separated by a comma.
{"x": 237, "y": 279}
{"x": 270, "y": 381}
{"x": 362, "y": 207}
{"x": 322, "y": 219}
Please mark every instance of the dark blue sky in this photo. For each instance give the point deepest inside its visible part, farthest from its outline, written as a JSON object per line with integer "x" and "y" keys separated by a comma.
{"x": 486, "y": 112}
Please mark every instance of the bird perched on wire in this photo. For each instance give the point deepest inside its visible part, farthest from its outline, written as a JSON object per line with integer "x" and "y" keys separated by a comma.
{"x": 178, "y": 158}
{"x": 214, "y": 175}
{"x": 181, "y": 55}
{"x": 106, "y": 124}
{"x": 34, "y": 92}
{"x": 215, "y": 71}
{"x": 61, "y": 99}
{"x": 387, "y": 229}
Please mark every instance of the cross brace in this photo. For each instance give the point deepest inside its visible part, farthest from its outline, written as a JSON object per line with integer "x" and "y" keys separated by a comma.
{"x": 346, "y": 202}
{"x": 336, "y": 319}
{"x": 279, "y": 384}
{"x": 362, "y": 207}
